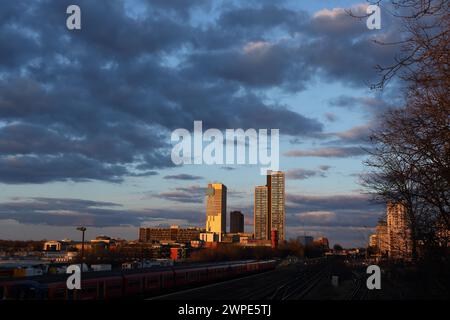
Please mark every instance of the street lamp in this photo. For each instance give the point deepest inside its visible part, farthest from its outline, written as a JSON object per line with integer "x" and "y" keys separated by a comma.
{"x": 83, "y": 230}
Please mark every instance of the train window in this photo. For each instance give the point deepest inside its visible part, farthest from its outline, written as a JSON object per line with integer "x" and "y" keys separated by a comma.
{"x": 193, "y": 275}
{"x": 167, "y": 277}
{"x": 30, "y": 293}
{"x": 101, "y": 290}
{"x": 91, "y": 289}
{"x": 134, "y": 282}
{"x": 114, "y": 286}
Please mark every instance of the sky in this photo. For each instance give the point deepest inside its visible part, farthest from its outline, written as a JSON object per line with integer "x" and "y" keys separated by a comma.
{"x": 86, "y": 115}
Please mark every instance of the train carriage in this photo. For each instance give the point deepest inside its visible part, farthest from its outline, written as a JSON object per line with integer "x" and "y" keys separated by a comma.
{"x": 216, "y": 273}
{"x": 21, "y": 290}
{"x": 253, "y": 267}
{"x": 91, "y": 289}
{"x": 238, "y": 269}
{"x": 133, "y": 284}
{"x": 167, "y": 280}
{"x": 153, "y": 282}
{"x": 118, "y": 285}
{"x": 112, "y": 288}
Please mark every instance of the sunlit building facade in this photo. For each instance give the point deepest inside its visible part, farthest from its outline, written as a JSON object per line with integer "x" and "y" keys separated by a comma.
{"x": 382, "y": 237}
{"x": 174, "y": 233}
{"x": 398, "y": 231}
{"x": 322, "y": 242}
{"x": 269, "y": 207}
{"x": 216, "y": 209}
{"x": 373, "y": 241}
{"x": 276, "y": 184}
{"x": 261, "y": 213}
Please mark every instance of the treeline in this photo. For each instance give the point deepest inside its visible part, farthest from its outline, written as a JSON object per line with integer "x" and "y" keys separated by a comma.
{"x": 230, "y": 252}
{"x": 223, "y": 252}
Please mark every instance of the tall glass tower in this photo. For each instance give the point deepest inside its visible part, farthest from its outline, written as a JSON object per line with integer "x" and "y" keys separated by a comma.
{"x": 269, "y": 207}
{"x": 276, "y": 184}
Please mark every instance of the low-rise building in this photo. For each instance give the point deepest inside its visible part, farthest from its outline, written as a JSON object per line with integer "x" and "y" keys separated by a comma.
{"x": 58, "y": 245}
{"x": 373, "y": 241}
{"x": 209, "y": 237}
{"x": 60, "y": 256}
{"x": 230, "y": 238}
{"x": 256, "y": 243}
{"x": 236, "y": 222}
{"x": 178, "y": 253}
{"x": 322, "y": 242}
{"x": 382, "y": 238}
{"x": 174, "y": 234}
{"x": 399, "y": 234}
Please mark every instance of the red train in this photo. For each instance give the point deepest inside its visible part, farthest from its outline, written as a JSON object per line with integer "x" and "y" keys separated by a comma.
{"x": 130, "y": 284}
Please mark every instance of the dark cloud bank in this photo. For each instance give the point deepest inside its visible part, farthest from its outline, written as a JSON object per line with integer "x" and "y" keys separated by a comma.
{"x": 99, "y": 103}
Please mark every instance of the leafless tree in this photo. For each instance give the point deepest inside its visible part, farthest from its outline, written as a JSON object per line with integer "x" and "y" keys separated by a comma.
{"x": 423, "y": 42}
{"x": 410, "y": 162}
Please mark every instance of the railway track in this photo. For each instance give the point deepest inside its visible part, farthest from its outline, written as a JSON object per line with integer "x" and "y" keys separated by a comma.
{"x": 301, "y": 285}
{"x": 265, "y": 289}
{"x": 360, "y": 290}
{"x": 292, "y": 285}
{"x": 291, "y": 282}
{"x": 219, "y": 290}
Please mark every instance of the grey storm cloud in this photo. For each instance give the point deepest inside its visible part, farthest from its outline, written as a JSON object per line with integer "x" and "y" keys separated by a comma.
{"x": 75, "y": 212}
{"x": 100, "y": 103}
{"x": 328, "y": 152}
{"x": 33, "y": 169}
{"x": 227, "y": 168}
{"x": 330, "y": 116}
{"x": 182, "y": 176}
{"x": 303, "y": 174}
{"x": 329, "y": 44}
{"x": 190, "y": 194}
{"x": 357, "y": 134}
{"x": 324, "y": 167}
{"x": 355, "y": 137}
{"x": 345, "y": 218}
{"x": 346, "y": 236}
{"x": 262, "y": 18}
{"x": 331, "y": 202}
{"x": 370, "y": 105}
{"x": 353, "y": 210}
